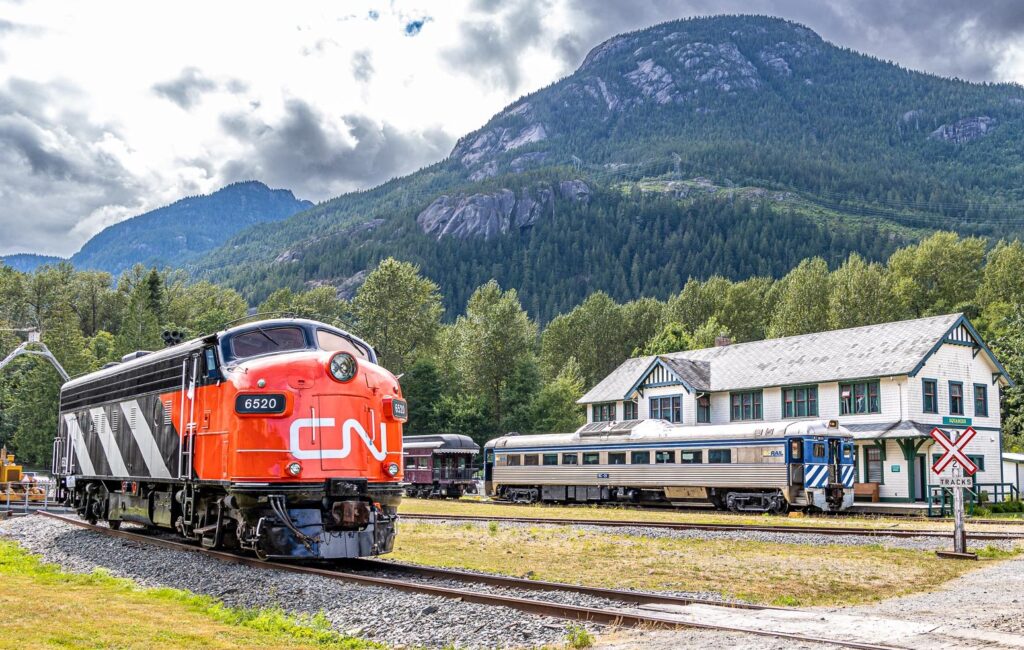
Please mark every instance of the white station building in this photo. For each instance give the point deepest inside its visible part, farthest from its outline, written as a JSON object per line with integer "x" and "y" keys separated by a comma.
{"x": 889, "y": 384}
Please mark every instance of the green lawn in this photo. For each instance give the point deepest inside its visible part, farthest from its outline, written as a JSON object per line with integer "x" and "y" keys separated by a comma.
{"x": 44, "y": 607}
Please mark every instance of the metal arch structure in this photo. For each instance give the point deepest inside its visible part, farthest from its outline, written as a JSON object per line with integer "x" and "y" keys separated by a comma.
{"x": 36, "y": 348}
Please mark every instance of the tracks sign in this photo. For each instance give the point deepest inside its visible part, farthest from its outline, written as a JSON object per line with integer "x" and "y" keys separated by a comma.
{"x": 954, "y": 451}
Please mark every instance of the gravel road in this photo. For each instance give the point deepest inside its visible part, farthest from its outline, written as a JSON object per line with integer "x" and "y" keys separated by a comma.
{"x": 396, "y": 618}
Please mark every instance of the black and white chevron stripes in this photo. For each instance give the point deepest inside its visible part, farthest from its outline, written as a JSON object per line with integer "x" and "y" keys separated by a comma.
{"x": 130, "y": 439}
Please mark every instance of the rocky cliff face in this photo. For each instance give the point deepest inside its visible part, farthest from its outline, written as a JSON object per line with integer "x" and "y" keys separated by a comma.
{"x": 965, "y": 130}
{"x": 496, "y": 213}
{"x": 666, "y": 66}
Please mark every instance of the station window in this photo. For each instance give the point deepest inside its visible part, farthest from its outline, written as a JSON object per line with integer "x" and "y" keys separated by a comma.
{"x": 629, "y": 410}
{"x": 667, "y": 408}
{"x": 980, "y": 400}
{"x": 859, "y": 397}
{"x": 979, "y": 461}
{"x": 616, "y": 458}
{"x": 531, "y": 459}
{"x": 874, "y": 463}
{"x": 704, "y": 409}
{"x": 800, "y": 402}
{"x": 514, "y": 460}
{"x": 956, "y": 398}
{"x": 570, "y": 459}
{"x": 746, "y": 406}
{"x": 640, "y": 458}
{"x": 603, "y": 412}
{"x": 689, "y": 457}
{"x": 550, "y": 459}
{"x": 664, "y": 457}
{"x": 591, "y": 458}
{"x": 929, "y": 396}
{"x": 720, "y": 455}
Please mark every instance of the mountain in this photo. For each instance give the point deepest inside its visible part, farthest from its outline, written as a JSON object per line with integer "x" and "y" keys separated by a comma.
{"x": 176, "y": 234}
{"x": 733, "y": 145}
{"x": 28, "y": 262}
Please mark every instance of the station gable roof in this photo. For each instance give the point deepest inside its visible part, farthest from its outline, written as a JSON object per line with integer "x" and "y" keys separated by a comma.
{"x": 883, "y": 350}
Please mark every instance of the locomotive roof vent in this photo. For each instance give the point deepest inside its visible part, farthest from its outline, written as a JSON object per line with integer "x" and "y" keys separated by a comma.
{"x": 110, "y": 364}
{"x": 138, "y": 354}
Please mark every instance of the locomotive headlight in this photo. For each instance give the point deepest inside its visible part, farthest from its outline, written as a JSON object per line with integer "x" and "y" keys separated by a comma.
{"x": 294, "y": 468}
{"x": 392, "y": 469}
{"x": 343, "y": 366}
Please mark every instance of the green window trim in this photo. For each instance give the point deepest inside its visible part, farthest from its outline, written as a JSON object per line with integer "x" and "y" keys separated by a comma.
{"x": 603, "y": 412}
{"x": 629, "y": 410}
{"x": 952, "y": 409}
{"x": 672, "y": 405}
{"x": 862, "y": 397}
{"x": 704, "y": 409}
{"x": 797, "y": 395}
{"x": 983, "y": 411}
{"x": 934, "y": 396}
{"x": 746, "y": 405}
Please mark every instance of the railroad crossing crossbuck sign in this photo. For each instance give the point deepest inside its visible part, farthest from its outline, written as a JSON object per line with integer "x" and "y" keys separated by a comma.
{"x": 954, "y": 451}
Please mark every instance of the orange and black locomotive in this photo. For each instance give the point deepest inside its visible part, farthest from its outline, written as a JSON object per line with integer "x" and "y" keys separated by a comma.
{"x": 282, "y": 437}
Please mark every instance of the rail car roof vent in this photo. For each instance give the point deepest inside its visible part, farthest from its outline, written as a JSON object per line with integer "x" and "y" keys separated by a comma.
{"x": 138, "y": 354}
{"x": 111, "y": 364}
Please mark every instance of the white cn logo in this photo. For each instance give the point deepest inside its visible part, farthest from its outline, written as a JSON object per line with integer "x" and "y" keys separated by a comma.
{"x": 347, "y": 429}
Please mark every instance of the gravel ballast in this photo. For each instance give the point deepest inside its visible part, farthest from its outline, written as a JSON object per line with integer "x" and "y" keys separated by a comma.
{"x": 394, "y": 617}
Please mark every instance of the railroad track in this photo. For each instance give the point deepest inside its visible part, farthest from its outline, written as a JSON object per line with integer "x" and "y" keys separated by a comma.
{"x": 631, "y": 614}
{"x": 820, "y": 530}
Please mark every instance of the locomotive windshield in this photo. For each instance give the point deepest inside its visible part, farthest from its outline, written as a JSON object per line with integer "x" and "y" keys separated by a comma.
{"x": 332, "y": 342}
{"x": 267, "y": 341}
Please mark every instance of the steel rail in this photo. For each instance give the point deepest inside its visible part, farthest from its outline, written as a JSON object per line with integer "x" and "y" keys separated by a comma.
{"x": 597, "y": 615}
{"x": 820, "y": 530}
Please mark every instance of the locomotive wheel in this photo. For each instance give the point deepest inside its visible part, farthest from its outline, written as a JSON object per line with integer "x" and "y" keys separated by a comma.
{"x": 115, "y": 524}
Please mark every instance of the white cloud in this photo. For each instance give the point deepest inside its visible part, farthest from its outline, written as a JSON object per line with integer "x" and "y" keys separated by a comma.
{"x": 113, "y": 109}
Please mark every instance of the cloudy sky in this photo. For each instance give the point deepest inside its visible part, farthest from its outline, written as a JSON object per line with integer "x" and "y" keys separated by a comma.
{"x": 111, "y": 109}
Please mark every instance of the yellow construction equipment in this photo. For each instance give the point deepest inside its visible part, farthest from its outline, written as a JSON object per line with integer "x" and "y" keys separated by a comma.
{"x": 14, "y": 484}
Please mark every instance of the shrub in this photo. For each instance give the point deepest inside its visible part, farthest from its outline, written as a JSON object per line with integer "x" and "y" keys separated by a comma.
{"x": 578, "y": 636}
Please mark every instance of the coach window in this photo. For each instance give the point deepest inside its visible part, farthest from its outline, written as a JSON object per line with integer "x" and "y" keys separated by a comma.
{"x": 331, "y": 342}
{"x": 691, "y": 457}
{"x": 616, "y": 458}
{"x": 664, "y": 457}
{"x": 513, "y": 460}
{"x": 570, "y": 459}
{"x": 530, "y": 459}
{"x": 795, "y": 450}
{"x": 720, "y": 455}
{"x": 640, "y": 458}
{"x": 550, "y": 459}
{"x": 591, "y": 458}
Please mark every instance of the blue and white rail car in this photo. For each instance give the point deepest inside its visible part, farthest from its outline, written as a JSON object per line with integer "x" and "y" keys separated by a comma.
{"x": 754, "y": 467}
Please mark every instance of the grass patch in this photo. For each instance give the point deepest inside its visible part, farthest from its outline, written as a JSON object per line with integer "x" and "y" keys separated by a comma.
{"x": 45, "y": 606}
{"x": 762, "y": 572}
{"x": 577, "y": 636}
{"x": 478, "y": 508}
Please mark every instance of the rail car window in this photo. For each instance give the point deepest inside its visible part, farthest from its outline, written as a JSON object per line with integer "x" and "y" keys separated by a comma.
{"x": 514, "y": 460}
{"x": 267, "y": 341}
{"x": 720, "y": 455}
{"x": 550, "y": 459}
{"x": 691, "y": 457}
{"x": 640, "y": 458}
{"x": 570, "y": 459}
{"x": 796, "y": 450}
{"x": 617, "y": 458}
{"x": 818, "y": 451}
{"x": 331, "y": 342}
{"x": 662, "y": 457}
{"x": 530, "y": 459}
{"x": 591, "y": 458}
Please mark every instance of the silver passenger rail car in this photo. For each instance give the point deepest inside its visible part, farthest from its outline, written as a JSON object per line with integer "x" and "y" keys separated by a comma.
{"x": 751, "y": 467}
